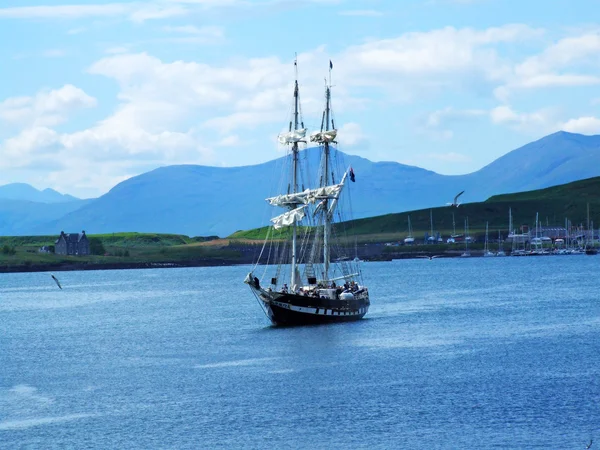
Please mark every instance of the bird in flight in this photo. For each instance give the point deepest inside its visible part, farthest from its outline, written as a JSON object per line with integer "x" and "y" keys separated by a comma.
{"x": 430, "y": 258}
{"x": 455, "y": 202}
{"x": 56, "y": 280}
{"x": 590, "y": 444}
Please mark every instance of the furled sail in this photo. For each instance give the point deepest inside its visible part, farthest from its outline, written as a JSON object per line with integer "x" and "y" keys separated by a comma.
{"x": 290, "y": 199}
{"x": 323, "y": 136}
{"x": 307, "y": 196}
{"x": 288, "y": 218}
{"x": 292, "y": 136}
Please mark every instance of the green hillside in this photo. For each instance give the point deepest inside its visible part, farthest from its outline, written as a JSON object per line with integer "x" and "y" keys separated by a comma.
{"x": 553, "y": 204}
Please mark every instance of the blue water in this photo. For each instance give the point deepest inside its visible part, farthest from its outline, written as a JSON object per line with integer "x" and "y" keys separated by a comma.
{"x": 454, "y": 353}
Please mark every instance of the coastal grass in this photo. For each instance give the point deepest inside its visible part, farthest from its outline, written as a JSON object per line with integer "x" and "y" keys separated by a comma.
{"x": 24, "y": 251}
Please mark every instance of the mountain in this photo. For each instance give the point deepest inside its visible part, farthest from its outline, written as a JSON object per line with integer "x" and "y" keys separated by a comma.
{"x": 20, "y": 217}
{"x": 201, "y": 200}
{"x": 23, "y": 191}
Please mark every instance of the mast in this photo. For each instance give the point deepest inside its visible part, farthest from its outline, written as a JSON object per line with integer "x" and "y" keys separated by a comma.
{"x": 327, "y": 222}
{"x": 295, "y": 176}
{"x": 431, "y": 221}
{"x": 453, "y": 225}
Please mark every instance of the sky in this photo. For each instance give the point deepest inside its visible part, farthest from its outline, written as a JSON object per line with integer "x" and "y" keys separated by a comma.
{"x": 95, "y": 92}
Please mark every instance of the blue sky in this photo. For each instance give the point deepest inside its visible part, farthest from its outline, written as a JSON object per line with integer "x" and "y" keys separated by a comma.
{"x": 95, "y": 92}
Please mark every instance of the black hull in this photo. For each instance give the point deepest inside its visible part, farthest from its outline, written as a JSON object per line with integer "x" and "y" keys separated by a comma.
{"x": 291, "y": 309}
{"x": 286, "y": 317}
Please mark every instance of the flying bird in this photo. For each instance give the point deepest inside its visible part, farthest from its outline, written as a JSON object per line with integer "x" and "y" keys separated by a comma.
{"x": 429, "y": 257}
{"x": 455, "y": 202}
{"x": 56, "y": 280}
{"x": 590, "y": 444}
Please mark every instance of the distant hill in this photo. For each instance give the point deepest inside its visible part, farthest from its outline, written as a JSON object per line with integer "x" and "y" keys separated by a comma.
{"x": 554, "y": 205}
{"x": 201, "y": 200}
{"x": 23, "y": 191}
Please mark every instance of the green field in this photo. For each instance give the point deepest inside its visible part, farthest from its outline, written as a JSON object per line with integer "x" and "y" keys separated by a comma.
{"x": 116, "y": 248}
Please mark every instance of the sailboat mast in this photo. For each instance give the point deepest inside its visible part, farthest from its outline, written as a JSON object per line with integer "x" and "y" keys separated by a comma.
{"x": 453, "y": 225}
{"x": 431, "y": 221}
{"x": 293, "y": 280}
{"x": 327, "y": 221}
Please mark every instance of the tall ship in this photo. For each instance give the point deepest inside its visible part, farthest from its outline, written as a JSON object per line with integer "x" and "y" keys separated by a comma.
{"x": 307, "y": 275}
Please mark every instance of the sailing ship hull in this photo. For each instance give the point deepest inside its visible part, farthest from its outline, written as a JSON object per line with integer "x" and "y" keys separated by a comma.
{"x": 291, "y": 309}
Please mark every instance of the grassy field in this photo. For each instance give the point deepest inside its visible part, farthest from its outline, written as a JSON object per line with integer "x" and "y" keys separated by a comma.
{"x": 117, "y": 248}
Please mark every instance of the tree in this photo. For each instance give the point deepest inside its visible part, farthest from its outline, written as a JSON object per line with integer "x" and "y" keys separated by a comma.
{"x": 96, "y": 247}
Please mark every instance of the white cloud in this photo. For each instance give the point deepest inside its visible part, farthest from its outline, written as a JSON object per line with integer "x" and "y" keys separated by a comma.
{"x": 31, "y": 141}
{"x": 230, "y": 141}
{"x": 351, "y": 135}
{"x": 436, "y": 124}
{"x": 539, "y": 122}
{"x": 46, "y": 108}
{"x": 583, "y": 125}
{"x": 447, "y": 50}
{"x": 156, "y": 11}
{"x": 136, "y": 11}
{"x": 545, "y": 70}
{"x": 194, "y": 35}
{"x": 65, "y": 11}
{"x": 178, "y": 111}
{"x": 443, "y": 116}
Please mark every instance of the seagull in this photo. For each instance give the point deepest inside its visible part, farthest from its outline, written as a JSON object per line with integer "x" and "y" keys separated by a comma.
{"x": 455, "y": 202}
{"x": 429, "y": 257}
{"x": 590, "y": 444}
{"x": 57, "y": 282}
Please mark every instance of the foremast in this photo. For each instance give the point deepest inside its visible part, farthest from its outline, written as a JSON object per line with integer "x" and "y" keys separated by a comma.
{"x": 294, "y": 136}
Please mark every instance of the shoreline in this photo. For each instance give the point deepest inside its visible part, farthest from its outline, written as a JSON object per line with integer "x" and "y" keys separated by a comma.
{"x": 212, "y": 262}
{"x": 69, "y": 267}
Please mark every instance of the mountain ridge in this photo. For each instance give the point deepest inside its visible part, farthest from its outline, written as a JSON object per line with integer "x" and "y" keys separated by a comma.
{"x": 204, "y": 200}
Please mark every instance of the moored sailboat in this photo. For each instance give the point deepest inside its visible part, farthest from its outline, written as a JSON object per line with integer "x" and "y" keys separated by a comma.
{"x": 303, "y": 241}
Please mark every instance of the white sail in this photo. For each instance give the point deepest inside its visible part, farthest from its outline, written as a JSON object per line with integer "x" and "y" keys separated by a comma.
{"x": 290, "y": 137}
{"x": 307, "y": 196}
{"x": 323, "y": 136}
{"x": 290, "y": 199}
{"x": 288, "y": 218}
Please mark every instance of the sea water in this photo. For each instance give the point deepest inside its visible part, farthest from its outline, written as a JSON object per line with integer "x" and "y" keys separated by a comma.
{"x": 454, "y": 353}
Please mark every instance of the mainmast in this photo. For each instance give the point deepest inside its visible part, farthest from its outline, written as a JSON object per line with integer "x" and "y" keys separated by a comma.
{"x": 294, "y": 186}
{"x": 327, "y": 213}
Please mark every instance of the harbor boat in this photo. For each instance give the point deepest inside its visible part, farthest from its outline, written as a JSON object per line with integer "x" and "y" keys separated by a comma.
{"x": 301, "y": 282}
{"x": 486, "y": 249}
{"x": 501, "y": 251}
{"x": 409, "y": 240}
{"x": 590, "y": 247}
{"x": 466, "y": 253}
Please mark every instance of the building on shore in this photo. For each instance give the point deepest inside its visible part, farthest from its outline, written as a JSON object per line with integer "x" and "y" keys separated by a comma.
{"x": 76, "y": 244}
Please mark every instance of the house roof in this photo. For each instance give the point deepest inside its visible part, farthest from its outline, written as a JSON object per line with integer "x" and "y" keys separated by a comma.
{"x": 71, "y": 237}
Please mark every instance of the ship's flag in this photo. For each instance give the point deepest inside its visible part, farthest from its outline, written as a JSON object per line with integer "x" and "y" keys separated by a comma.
{"x": 352, "y": 175}
{"x": 330, "y": 65}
